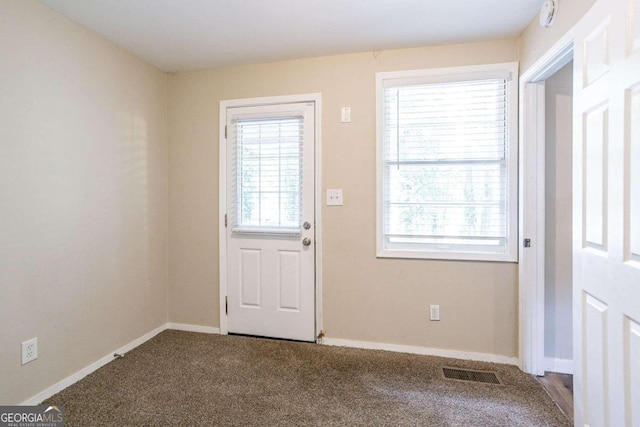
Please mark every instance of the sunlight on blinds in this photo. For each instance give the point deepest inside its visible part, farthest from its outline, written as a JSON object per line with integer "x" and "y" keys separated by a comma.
{"x": 445, "y": 165}
{"x": 267, "y": 156}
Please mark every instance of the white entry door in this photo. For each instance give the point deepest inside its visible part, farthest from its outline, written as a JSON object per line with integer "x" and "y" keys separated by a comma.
{"x": 606, "y": 204}
{"x": 270, "y": 221}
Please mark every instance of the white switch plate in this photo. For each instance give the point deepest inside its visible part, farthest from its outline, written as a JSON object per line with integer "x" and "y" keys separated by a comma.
{"x": 345, "y": 114}
{"x": 334, "y": 197}
{"x": 434, "y": 312}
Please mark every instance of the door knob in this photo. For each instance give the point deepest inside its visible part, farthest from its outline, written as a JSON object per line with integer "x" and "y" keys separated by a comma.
{"x": 306, "y": 241}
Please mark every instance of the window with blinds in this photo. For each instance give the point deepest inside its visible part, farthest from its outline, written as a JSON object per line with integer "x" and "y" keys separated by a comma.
{"x": 267, "y": 156}
{"x": 447, "y": 167}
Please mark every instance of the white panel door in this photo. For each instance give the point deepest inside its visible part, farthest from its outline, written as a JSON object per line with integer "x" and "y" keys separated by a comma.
{"x": 270, "y": 221}
{"x": 606, "y": 206}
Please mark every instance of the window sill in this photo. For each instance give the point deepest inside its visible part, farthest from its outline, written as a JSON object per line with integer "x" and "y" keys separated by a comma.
{"x": 448, "y": 256}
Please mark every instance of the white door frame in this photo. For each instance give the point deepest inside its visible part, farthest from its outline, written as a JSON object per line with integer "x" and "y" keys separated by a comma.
{"x": 531, "y": 202}
{"x": 316, "y": 98}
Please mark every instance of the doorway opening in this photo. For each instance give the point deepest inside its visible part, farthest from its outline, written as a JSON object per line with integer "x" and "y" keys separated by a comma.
{"x": 557, "y": 222}
{"x": 558, "y": 340}
{"x": 545, "y": 274}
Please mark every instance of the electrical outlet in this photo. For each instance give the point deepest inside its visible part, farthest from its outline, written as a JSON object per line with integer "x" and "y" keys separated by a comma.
{"x": 434, "y": 312}
{"x": 29, "y": 350}
{"x": 345, "y": 114}
{"x": 334, "y": 197}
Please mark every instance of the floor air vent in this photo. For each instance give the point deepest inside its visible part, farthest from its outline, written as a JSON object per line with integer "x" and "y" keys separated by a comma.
{"x": 486, "y": 377}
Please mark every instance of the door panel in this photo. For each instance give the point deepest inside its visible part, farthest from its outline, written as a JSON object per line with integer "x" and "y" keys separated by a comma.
{"x": 632, "y": 175}
{"x": 606, "y": 211}
{"x": 633, "y": 30}
{"x": 270, "y": 269}
{"x": 595, "y": 172}
{"x": 249, "y": 279}
{"x": 632, "y": 372}
{"x": 596, "y": 48}
{"x": 595, "y": 362}
{"x": 289, "y": 280}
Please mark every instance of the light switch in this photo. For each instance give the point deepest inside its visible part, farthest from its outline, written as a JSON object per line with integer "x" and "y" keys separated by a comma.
{"x": 345, "y": 115}
{"x": 334, "y": 197}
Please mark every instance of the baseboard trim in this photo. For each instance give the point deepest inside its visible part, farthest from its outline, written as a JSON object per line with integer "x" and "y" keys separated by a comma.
{"x": 74, "y": 378}
{"x": 561, "y": 366}
{"x": 455, "y": 354}
{"x": 554, "y": 365}
{"x": 193, "y": 328}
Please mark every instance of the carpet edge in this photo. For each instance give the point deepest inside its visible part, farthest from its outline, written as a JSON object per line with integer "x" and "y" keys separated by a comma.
{"x": 77, "y": 376}
{"x": 425, "y": 351}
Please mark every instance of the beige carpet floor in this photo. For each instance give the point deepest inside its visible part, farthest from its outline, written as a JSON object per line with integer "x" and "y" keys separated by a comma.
{"x": 190, "y": 379}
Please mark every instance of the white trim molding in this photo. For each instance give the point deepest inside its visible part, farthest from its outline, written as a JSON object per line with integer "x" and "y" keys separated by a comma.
{"x": 426, "y": 351}
{"x": 531, "y": 217}
{"x": 74, "y": 378}
{"x": 531, "y": 224}
{"x": 316, "y": 98}
{"x": 410, "y": 245}
{"x": 193, "y": 328}
{"x": 561, "y": 366}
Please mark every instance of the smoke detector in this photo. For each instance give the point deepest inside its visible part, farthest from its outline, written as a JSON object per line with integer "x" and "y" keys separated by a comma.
{"x": 548, "y": 13}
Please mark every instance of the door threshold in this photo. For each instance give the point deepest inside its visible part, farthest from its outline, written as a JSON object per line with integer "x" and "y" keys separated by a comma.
{"x": 269, "y": 338}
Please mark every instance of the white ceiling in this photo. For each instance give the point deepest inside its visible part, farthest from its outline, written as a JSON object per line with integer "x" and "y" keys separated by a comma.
{"x": 193, "y": 34}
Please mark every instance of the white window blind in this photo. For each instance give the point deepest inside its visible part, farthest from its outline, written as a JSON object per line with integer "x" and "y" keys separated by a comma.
{"x": 267, "y": 157}
{"x": 445, "y": 166}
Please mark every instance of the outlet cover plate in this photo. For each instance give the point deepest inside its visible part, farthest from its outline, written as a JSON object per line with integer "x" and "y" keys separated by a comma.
{"x": 334, "y": 197}
{"x": 29, "y": 350}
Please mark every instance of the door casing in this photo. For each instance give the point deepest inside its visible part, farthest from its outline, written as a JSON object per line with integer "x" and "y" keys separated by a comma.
{"x": 531, "y": 204}
{"x": 315, "y": 98}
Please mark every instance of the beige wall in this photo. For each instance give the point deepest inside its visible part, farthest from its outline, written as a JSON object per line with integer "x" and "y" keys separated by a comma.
{"x": 368, "y": 299}
{"x": 83, "y": 197}
{"x": 536, "y": 40}
{"x": 91, "y": 205}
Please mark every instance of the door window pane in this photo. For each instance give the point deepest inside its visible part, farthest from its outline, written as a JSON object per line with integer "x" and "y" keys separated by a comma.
{"x": 268, "y": 162}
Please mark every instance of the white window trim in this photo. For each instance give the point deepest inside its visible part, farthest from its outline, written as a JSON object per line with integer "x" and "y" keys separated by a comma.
{"x": 452, "y": 74}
